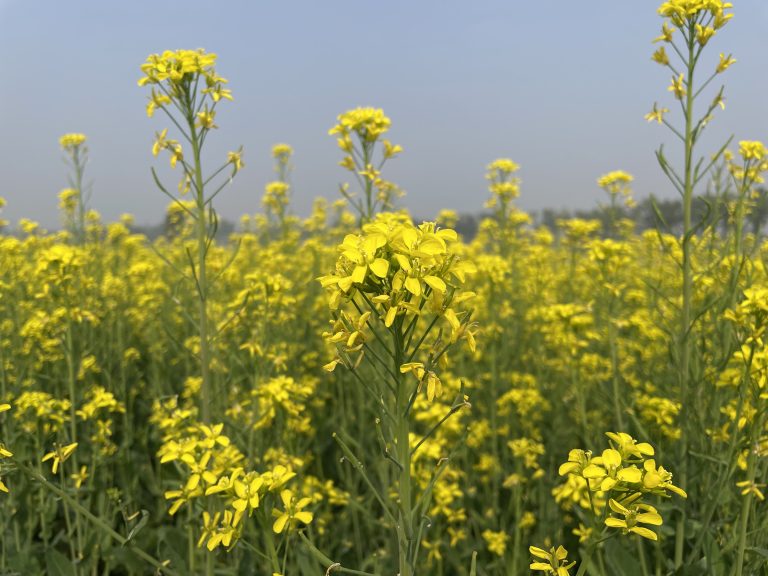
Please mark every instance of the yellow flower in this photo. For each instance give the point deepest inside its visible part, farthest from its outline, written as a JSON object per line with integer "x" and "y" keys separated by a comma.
{"x": 176, "y": 155}
{"x": 748, "y": 487}
{"x": 161, "y": 141}
{"x": 282, "y": 152}
{"x": 80, "y": 477}
{"x": 218, "y": 530}
{"x": 659, "y": 479}
{"x": 656, "y": 114}
{"x": 677, "y": 87}
{"x": 752, "y": 150}
{"x": 683, "y": 12}
{"x": 176, "y": 67}
{"x": 725, "y": 63}
{"x": 236, "y": 159}
{"x": 632, "y": 516}
{"x": 71, "y": 141}
{"x": 660, "y": 56}
{"x": 496, "y": 541}
{"x": 390, "y": 149}
{"x": 584, "y": 533}
{"x": 703, "y": 34}
{"x": 156, "y": 100}
{"x": 556, "y": 560}
{"x": 606, "y": 471}
{"x": 666, "y": 33}
{"x": 615, "y": 182}
{"x": 292, "y": 512}
{"x": 246, "y": 495}
{"x": 59, "y": 454}
{"x": 205, "y": 119}
{"x": 367, "y": 123}
{"x": 628, "y": 446}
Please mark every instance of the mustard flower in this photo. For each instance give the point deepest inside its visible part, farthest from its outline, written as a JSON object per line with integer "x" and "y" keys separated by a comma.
{"x": 282, "y": 153}
{"x": 660, "y": 56}
{"x": 616, "y": 182}
{"x": 80, "y": 476}
{"x": 218, "y": 529}
{"x": 752, "y": 150}
{"x": 180, "y": 67}
{"x": 657, "y": 114}
{"x": 677, "y": 87}
{"x": 246, "y": 495}
{"x": 293, "y": 511}
{"x": 748, "y": 487}
{"x": 236, "y": 159}
{"x": 685, "y": 12}
{"x": 725, "y": 63}
{"x": 556, "y": 561}
{"x": 496, "y": 541}
{"x": 69, "y": 142}
{"x": 367, "y": 123}
{"x": 59, "y": 454}
{"x": 634, "y": 514}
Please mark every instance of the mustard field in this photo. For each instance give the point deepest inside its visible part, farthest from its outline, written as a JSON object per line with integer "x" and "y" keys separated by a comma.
{"x": 356, "y": 392}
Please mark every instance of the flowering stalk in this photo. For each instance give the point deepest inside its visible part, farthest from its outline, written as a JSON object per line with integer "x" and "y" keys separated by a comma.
{"x": 71, "y": 199}
{"x": 277, "y": 193}
{"x": 176, "y": 79}
{"x": 359, "y": 131}
{"x": 697, "y": 22}
{"x": 395, "y": 297}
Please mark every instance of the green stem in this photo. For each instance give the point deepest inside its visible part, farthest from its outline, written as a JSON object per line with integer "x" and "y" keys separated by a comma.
{"x": 404, "y": 525}
{"x": 685, "y": 324}
{"x": 585, "y": 560}
{"x": 202, "y": 249}
{"x": 98, "y": 522}
{"x": 746, "y": 506}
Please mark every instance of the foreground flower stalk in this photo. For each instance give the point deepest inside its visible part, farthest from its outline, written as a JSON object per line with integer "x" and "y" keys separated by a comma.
{"x": 697, "y": 22}
{"x": 398, "y": 305}
{"x": 187, "y": 89}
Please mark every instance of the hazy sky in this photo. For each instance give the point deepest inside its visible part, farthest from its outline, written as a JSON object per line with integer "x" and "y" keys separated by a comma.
{"x": 559, "y": 86}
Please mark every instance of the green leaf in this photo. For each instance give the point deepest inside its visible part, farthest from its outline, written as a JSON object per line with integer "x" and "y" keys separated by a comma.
{"x": 761, "y": 551}
{"x": 57, "y": 564}
{"x": 139, "y": 525}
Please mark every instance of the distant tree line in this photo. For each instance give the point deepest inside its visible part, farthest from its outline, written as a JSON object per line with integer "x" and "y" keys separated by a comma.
{"x": 649, "y": 213}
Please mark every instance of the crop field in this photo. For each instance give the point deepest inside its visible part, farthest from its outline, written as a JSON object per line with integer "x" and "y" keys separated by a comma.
{"x": 357, "y": 392}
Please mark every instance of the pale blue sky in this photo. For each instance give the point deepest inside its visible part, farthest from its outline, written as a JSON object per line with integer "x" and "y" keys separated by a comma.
{"x": 561, "y": 87}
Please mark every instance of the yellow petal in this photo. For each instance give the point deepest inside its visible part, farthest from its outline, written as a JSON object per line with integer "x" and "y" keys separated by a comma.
{"x": 413, "y": 286}
{"x": 279, "y": 524}
{"x": 435, "y": 283}
{"x": 380, "y": 267}
{"x": 644, "y": 532}
{"x": 631, "y": 475}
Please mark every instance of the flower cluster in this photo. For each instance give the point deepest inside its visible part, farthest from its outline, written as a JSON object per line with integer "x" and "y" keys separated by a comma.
{"x": 358, "y": 132}
{"x": 503, "y": 185}
{"x": 367, "y": 123}
{"x": 626, "y": 472}
{"x": 615, "y": 183}
{"x": 69, "y": 142}
{"x": 404, "y": 272}
{"x": 705, "y": 16}
{"x": 754, "y": 156}
{"x": 174, "y": 74}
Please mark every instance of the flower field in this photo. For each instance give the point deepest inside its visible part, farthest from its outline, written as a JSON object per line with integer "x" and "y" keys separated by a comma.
{"x": 356, "y": 392}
